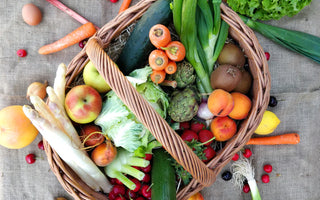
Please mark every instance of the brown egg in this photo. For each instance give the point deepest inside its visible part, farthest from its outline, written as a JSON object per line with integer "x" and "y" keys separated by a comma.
{"x": 31, "y": 14}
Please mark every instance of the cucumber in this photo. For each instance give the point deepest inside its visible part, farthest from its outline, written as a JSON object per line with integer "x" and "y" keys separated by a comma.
{"x": 162, "y": 176}
{"x": 136, "y": 50}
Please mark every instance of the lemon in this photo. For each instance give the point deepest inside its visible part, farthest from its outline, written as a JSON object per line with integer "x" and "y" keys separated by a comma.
{"x": 268, "y": 124}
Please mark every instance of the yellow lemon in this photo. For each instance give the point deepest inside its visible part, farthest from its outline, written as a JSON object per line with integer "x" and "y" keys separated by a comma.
{"x": 268, "y": 124}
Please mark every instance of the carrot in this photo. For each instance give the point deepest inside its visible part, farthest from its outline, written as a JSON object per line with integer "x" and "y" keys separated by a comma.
{"x": 171, "y": 68}
{"x": 125, "y": 4}
{"x": 175, "y": 51}
{"x": 159, "y": 35}
{"x": 158, "y": 60}
{"x": 158, "y": 76}
{"x": 79, "y": 34}
{"x": 289, "y": 138}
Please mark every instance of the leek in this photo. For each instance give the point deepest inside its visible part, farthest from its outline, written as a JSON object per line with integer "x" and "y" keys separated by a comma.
{"x": 303, "y": 43}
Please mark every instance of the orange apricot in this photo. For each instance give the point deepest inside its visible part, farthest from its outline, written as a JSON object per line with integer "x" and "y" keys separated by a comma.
{"x": 242, "y": 106}
{"x": 220, "y": 103}
{"x": 223, "y": 128}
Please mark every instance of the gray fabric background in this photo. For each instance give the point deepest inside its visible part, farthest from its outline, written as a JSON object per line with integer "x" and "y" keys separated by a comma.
{"x": 295, "y": 81}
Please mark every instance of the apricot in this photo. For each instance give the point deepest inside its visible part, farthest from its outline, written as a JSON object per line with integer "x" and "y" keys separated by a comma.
{"x": 242, "y": 106}
{"x": 220, "y": 103}
{"x": 223, "y": 128}
{"x": 16, "y": 130}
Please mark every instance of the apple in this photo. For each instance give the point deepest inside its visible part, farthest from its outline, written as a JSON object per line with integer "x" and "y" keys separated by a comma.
{"x": 83, "y": 104}
{"x": 92, "y": 77}
{"x": 91, "y": 134}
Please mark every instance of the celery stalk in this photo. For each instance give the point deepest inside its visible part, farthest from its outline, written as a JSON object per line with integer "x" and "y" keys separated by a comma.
{"x": 299, "y": 42}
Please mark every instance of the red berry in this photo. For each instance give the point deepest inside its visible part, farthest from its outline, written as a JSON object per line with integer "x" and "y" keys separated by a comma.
{"x": 40, "y": 145}
{"x": 148, "y": 156}
{"x": 118, "y": 182}
{"x": 146, "y": 178}
{"x": 197, "y": 126}
{"x": 30, "y": 158}
{"x": 82, "y": 44}
{"x": 138, "y": 184}
{"x": 140, "y": 198}
{"x": 246, "y": 188}
{"x": 267, "y": 168}
{"x": 184, "y": 125}
{"x": 136, "y": 167}
{"x": 235, "y": 157}
{"x": 247, "y": 153}
{"x": 113, "y": 1}
{"x": 209, "y": 153}
{"x": 119, "y": 190}
{"x": 189, "y": 135}
{"x": 267, "y": 55}
{"x": 112, "y": 195}
{"x": 146, "y": 191}
{"x": 21, "y": 53}
{"x": 265, "y": 178}
{"x": 146, "y": 169}
{"x": 131, "y": 194}
{"x": 204, "y": 136}
{"x": 120, "y": 198}
{"x": 113, "y": 181}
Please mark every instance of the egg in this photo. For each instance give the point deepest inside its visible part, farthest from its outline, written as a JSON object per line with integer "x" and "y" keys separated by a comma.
{"x": 31, "y": 14}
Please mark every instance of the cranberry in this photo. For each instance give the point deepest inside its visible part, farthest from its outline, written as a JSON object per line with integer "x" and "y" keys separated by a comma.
{"x": 40, "y": 145}
{"x": 247, "y": 153}
{"x": 146, "y": 169}
{"x": 146, "y": 178}
{"x": 235, "y": 157}
{"x": 82, "y": 44}
{"x": 113, "y": 1}
{"x": 246, "y": 188}
{"x": 267, "y": 55}
{"x": 30, "y": 158}
{"x": 273, "y": 101}
{"x": 21, "y": 53}
{"x": 265, "y": 178}
{"x": 267, "y": 168}
{"x": 119, "y": 190}
{"x": 138, "y": 184}
{"x": 148, "y": 156}
{"x": 146, "y": 191}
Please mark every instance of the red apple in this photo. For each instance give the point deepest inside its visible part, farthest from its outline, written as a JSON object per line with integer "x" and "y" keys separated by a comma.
{"x": 83, "y": 104}
{"x": 95, "y": 133}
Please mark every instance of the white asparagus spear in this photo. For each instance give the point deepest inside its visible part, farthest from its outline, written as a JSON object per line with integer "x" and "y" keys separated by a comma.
{"x": 65, "y": 148}
{"x": 59, "y": 84}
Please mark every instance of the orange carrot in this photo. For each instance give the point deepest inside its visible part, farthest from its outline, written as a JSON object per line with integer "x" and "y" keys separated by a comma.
{"x": 175, "y": 51}
{"x": 125, "y": 4}
{"x": 158, "y": 60}
{"x": 79, "y": 34}
{"x": 171, "y": 68}
{"x": 158, "y": 76}
{"x": 159, "y": 35}
{"x": 289, "y": 138}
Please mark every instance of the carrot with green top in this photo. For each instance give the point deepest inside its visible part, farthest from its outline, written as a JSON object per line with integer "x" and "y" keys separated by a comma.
{"x": 289, "y": 138}
{"x": 79, "y": 34}
{"x": 125, "y": 4}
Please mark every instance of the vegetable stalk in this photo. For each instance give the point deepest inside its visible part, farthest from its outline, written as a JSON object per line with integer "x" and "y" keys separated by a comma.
{"x": 299, "y": 42}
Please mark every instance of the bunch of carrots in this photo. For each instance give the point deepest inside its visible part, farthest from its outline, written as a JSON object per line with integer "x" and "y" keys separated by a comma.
{"x": 163, "y": 59}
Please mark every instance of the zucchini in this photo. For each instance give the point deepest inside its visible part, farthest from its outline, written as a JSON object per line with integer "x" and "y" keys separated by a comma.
{"x": 136, "y": 50}
{"x": 162, "y": 176}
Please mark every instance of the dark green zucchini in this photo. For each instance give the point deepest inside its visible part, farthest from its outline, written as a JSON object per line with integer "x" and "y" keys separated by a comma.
{"x": 162, "y": 176}
{"x": 135, "y": 53}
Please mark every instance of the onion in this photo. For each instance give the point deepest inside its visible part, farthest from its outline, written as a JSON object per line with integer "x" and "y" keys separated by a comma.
{"x": 204, "y": 112}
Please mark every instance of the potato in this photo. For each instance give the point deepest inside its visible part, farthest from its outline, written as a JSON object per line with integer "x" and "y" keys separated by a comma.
{"x": 231, "y": 54}
{"x": 225, "y": 77}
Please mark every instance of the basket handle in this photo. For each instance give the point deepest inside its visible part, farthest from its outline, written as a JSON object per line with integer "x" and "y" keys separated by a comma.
{"x": 170, "y": 140}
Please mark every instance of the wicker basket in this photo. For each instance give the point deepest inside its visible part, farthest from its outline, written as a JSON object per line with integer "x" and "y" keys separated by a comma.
{"x": 203, "y": 175}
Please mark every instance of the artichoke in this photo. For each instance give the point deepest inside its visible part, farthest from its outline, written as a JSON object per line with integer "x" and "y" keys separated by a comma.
{"x": 184, "y": 104}
{"x": 184, "y": 75}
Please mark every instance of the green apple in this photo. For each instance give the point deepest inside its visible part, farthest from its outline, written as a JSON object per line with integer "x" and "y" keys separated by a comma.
{"x": 92, "y": 78}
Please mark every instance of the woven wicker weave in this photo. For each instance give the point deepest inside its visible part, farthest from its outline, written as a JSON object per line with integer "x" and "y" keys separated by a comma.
{"x": 203, "y": 175}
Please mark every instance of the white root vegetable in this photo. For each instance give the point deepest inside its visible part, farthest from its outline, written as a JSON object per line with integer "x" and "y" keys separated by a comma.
{"x": 66, "y": 149}
{"x": 242, "y": 169}
{"x": 60, "y": 82}
{"x": 59, "y": 112}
